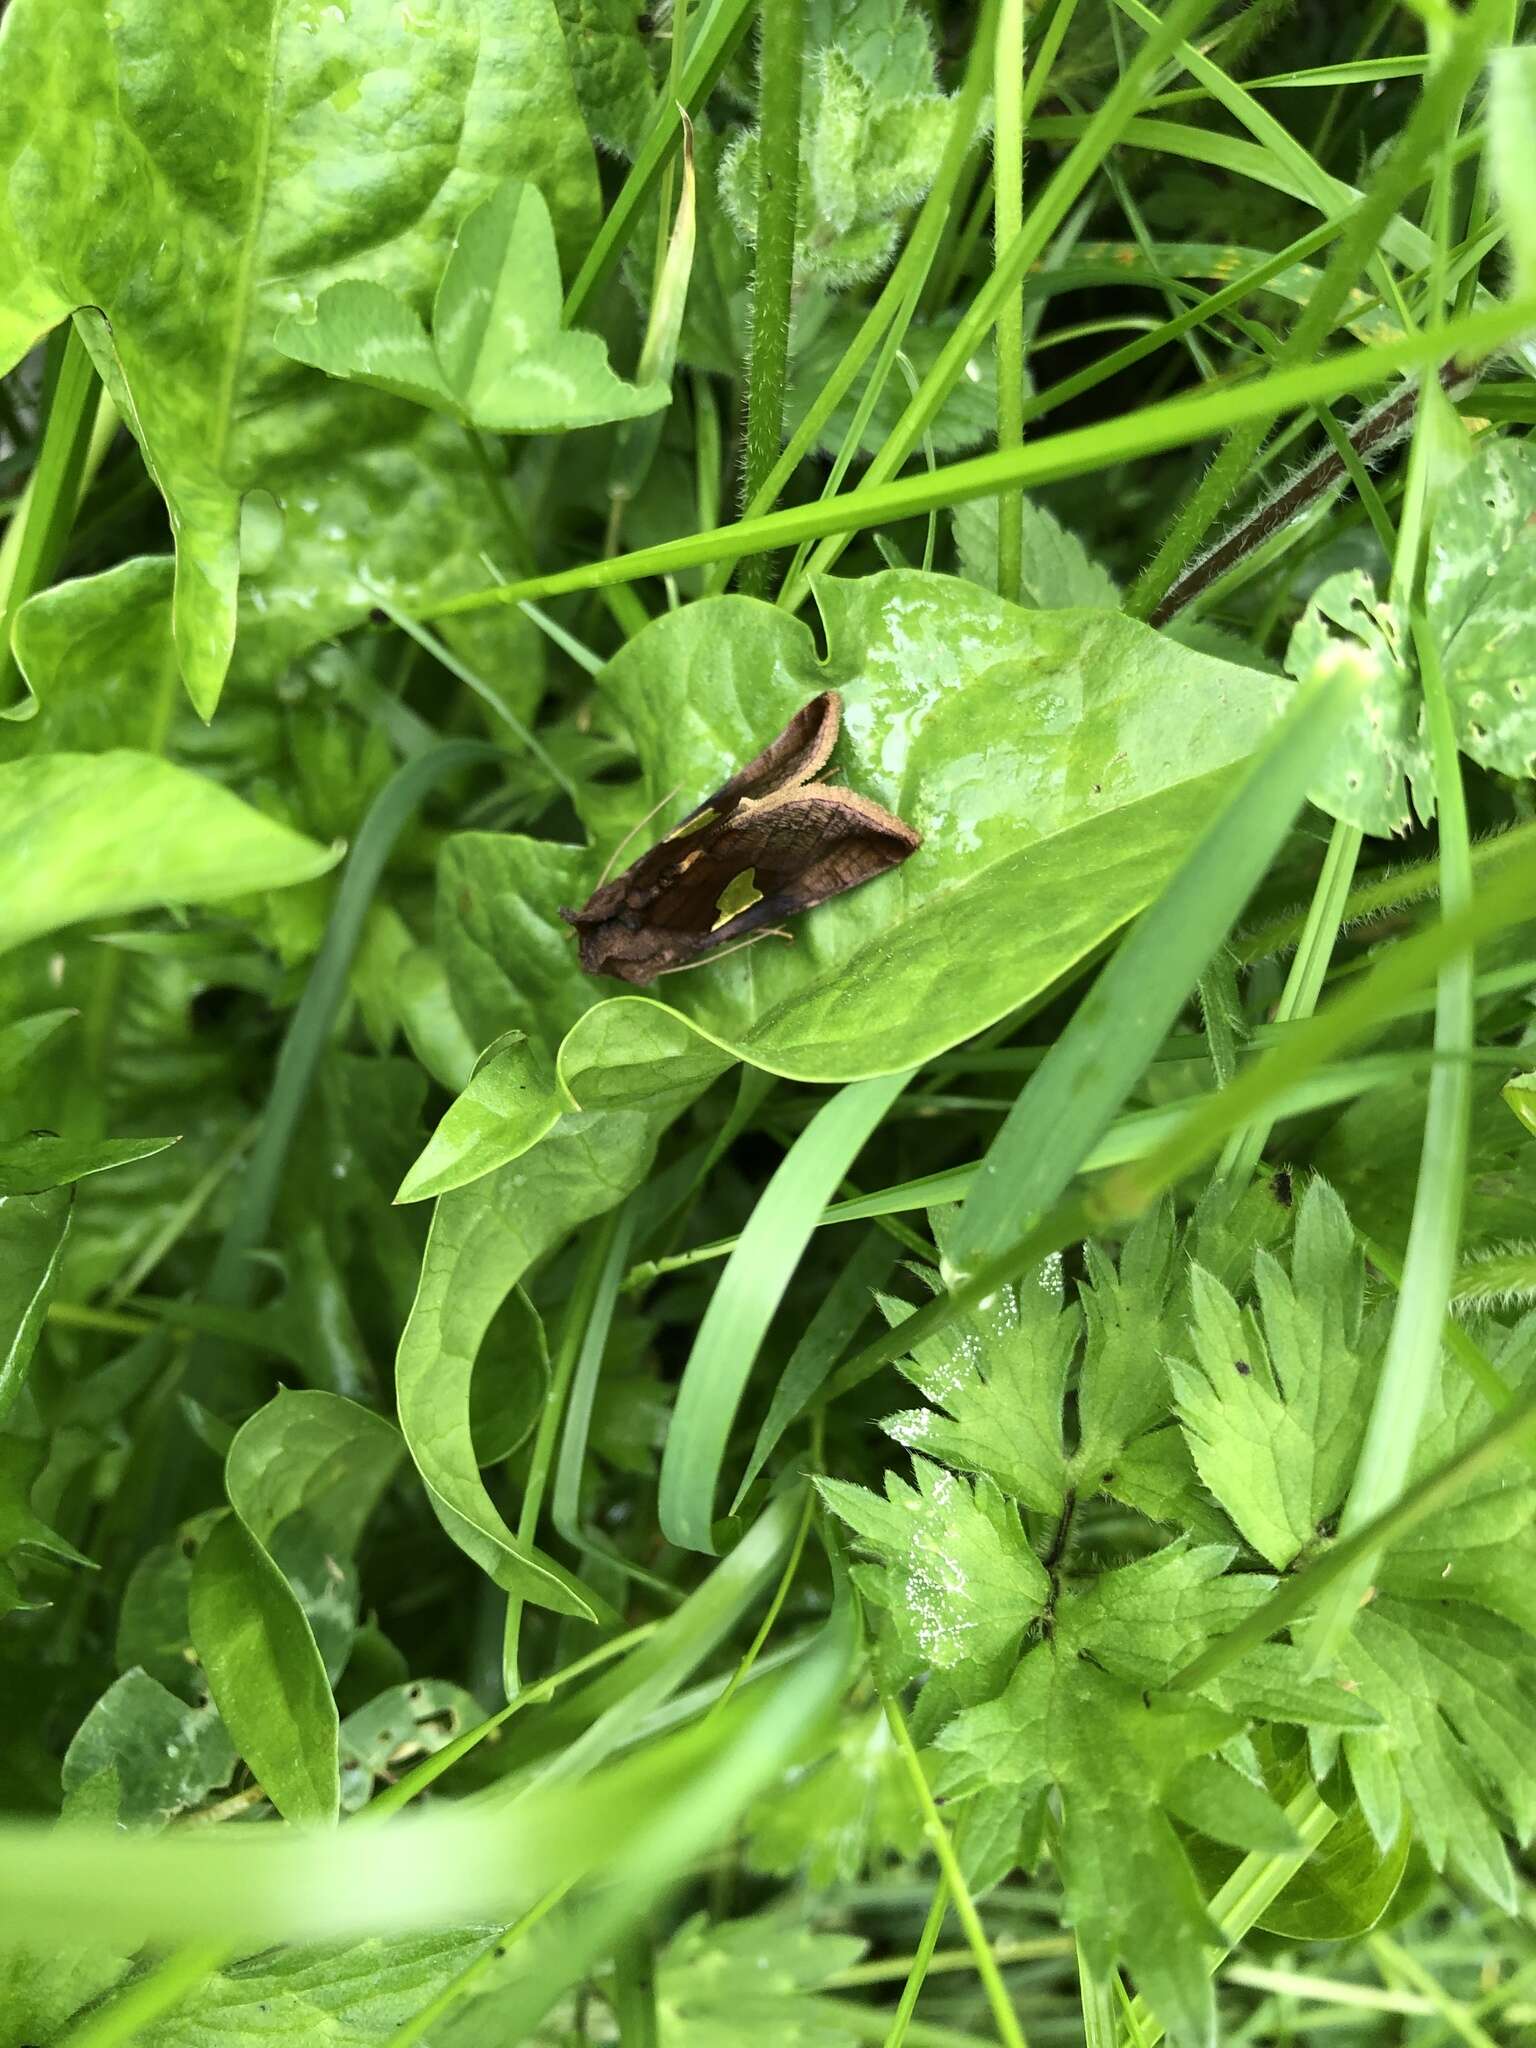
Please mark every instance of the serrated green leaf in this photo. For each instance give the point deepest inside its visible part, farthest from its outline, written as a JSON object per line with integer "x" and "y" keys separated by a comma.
{"x": 1145, "y": 1620}
{"x": 1058, "y": 570}
{"x": 1456, "y": 1690}
{"x": 1382, "y": 756}
{"x": 956, "y": 1575}
{"x": 1130, "y": 1315}
{"x": 1275, "y": 1404}
{"x": 999, "y": 1377}
{"x": 1113, "y": 1754}
{"x": 498, "y": 357}
{"x": 1220, "y": 1802}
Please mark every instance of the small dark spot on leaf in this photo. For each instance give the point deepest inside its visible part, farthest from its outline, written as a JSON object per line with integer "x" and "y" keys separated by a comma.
{"x": 1242, "y": 1366}
{"x": 1106, "y": 1479}
{"x": 377, "y": 616}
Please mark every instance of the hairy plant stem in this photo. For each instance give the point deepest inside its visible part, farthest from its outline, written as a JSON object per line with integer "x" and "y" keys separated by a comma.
{"x": 781, "y": 67}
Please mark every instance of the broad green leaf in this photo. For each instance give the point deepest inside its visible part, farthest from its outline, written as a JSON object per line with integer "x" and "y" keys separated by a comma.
{"x": 1146, "y": 1620}
{"x": 510, "y": 1102}
{"x": 1382, "y": 757}
{"x": 996, "y": 1379}
{"x": 1058, "y": 570}
{"x": 397, "y": 1728}
{"x": 1275, "y": 1402}
{"x": 23, "y": 1040}
{"x": 498, "y": 357}
{"x": 21, "y": 1528}
{"x": 1456, "y": 1689}
{"x": 349, "y": 1995}
{"x": 312, "y": 1452}
{"x": 1052, "y": 809}
{"x": 33, "y": 1228}
{"x": 101, "y": 835}
{"x": 1114, "y": 1755}
{"x": 168, "y": 1756}
{"x": 1480, "y": 591}
{"x": 955, "y": 1573}
{"x": 740, "y": 1983}
{"x": 100, "y": 655}
{"x": 265, "y": 1673}
{"x": 264, "y": 159}
{"x": 40, "y": 1161}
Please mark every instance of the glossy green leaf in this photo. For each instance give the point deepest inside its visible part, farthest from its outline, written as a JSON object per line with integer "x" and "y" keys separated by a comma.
{"x": 610, "y": 69}
{"x": 508, "y": 1105}
{"x": 497, "y": 357}
{"x": 245, "y": 147}
{"x": 1480, "y": 592}
{"x": 167, "y": 1755}
{"x": 100, "y": 655}
{"x": 265, "y": 1673}
{"x": 1382, "y": 757}
{"x": 24, "y": 1039}
{"x": 101, "y": 835}
{"x": 33, "y": 1228}
{"x": 744, "y": 1300}
{"x": 22, "y": 1529}
{"x": 39, "y": 1161}
{"x": 312, "y": 1452}
{"x": 1057, "y": 765}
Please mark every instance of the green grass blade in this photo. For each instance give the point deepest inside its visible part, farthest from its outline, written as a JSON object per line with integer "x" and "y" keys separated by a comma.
{"x": 748, "y": 1292}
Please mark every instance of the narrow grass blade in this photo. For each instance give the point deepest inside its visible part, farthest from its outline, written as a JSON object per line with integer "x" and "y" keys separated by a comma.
{"x": 749, "y": 1291}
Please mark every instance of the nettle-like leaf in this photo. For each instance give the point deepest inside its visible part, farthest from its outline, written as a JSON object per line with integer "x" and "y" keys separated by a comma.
{"x": 497, "y": 356}
{"x": 264, "y": 158}
{"x": 1057, "y": 568}
{"x": 1274, "y": 1404}
{"x": 872, "y": 132}
{"x": 610, "y": 68}
{"x": 1456, "y": 1689}
{"x": 1382, "y": 758}
{"x": 1056, "y": 764}
{"x": 739, "y": 1983}
{"x": 1116, "y": 1757}
{"x": 955, "y": 1573}
{"x": 840, "y": 1813}
{"x": 996, "y": 1379}
{"x": 1480, "y": 594}
{"x": 966, "y": 419}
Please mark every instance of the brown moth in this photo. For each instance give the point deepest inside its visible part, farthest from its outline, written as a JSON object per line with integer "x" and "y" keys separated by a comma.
{"x": 769, "y": 843}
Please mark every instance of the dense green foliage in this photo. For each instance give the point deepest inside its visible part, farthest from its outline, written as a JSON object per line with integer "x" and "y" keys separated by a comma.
{"x": 964, "y": 1471}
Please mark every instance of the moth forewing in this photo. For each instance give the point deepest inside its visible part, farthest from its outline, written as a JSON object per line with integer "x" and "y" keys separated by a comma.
{"x": 769, "y": 843}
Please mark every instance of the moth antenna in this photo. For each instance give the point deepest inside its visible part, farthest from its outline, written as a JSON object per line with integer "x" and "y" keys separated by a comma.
{"x": 774, "y": 931}
{"x": 638, "y": 826}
